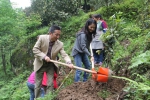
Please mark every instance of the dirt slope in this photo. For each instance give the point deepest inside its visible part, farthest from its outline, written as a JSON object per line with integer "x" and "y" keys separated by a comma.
{"x": 91, "y": 90}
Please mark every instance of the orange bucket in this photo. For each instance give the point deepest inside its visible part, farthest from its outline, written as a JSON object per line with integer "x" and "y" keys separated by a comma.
{"x": 94, "y": 76}
{"x": 101, "y": 78}
{"x": 101, "y": 75}
{"x": 103, "y": 71}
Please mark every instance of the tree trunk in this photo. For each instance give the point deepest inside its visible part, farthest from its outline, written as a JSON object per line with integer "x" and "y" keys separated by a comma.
{"x": 85, "y": 4}
{"x": 3, "y": 60}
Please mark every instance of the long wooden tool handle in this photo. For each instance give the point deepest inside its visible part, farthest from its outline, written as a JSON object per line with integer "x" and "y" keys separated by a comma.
{"x": 83, "y": 69}
{"x": 92, "y": 55}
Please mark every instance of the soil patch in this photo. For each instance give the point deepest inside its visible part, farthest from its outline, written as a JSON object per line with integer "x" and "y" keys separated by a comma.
{"x": 92, "y": 90}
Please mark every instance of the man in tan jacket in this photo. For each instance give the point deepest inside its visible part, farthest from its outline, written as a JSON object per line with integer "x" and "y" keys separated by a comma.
{"x": 47, "y": 47}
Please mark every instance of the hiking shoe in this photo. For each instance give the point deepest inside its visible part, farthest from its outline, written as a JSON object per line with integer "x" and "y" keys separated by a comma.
{"x": 96, "y": 64}
{"x": 100, "y": 64}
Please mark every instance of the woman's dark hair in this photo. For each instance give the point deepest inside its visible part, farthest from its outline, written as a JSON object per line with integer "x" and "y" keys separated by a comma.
{"x": 97, "y": 16}
{"x": 86, "y": 29}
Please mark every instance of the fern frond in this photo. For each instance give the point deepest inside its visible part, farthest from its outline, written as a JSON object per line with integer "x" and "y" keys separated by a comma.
{"x": 140, "y": 59}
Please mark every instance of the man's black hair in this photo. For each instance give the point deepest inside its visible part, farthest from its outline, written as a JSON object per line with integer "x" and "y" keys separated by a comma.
{"x": 53, "y": 28}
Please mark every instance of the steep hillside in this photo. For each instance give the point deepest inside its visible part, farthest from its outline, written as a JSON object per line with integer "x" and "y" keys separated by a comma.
{"x": 127, "y": 53}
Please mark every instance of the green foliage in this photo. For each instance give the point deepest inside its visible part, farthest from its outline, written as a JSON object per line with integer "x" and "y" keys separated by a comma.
{"x": 68, "y": 45}
{"x": 96, "y": 4}
{"x": 33, "y": 22}
{"x": 14, "y": 27}
{"x": 9, "y": 88}
{"x": 104, "y": 93}
{"x": 73, "y": 25}
{"x": 49, "y": 96}
{"x": 130, "y": 9}
{"x": 135, "y": 84}
{"x": 21, "y": 93}
{"x": 67, "y": 6}
{"x": 69, "y": 81}
{"x": 131, "y": 30}
{"x": 144, "y": 16}
{"x": 127, "y": 41}
{"x": 7, "y": 22}
{"x": 54, "y": 10}
{"x": 24, "y": 51}
{"x": 140, "y": 59}
{"x": 137, "y": 90}
{"x": 7, "y": 17}
{"x": 131, "y": 50}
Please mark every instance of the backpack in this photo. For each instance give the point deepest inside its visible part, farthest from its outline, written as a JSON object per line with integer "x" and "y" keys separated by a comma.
{"x": 102, "y": 26}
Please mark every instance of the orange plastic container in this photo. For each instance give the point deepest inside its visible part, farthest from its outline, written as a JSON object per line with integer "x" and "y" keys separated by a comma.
{"x": 94, "y": 76}
{"x": 102, "y": 75}
{"x": 103, "y": 71}
{"x": 101, "y": 78}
